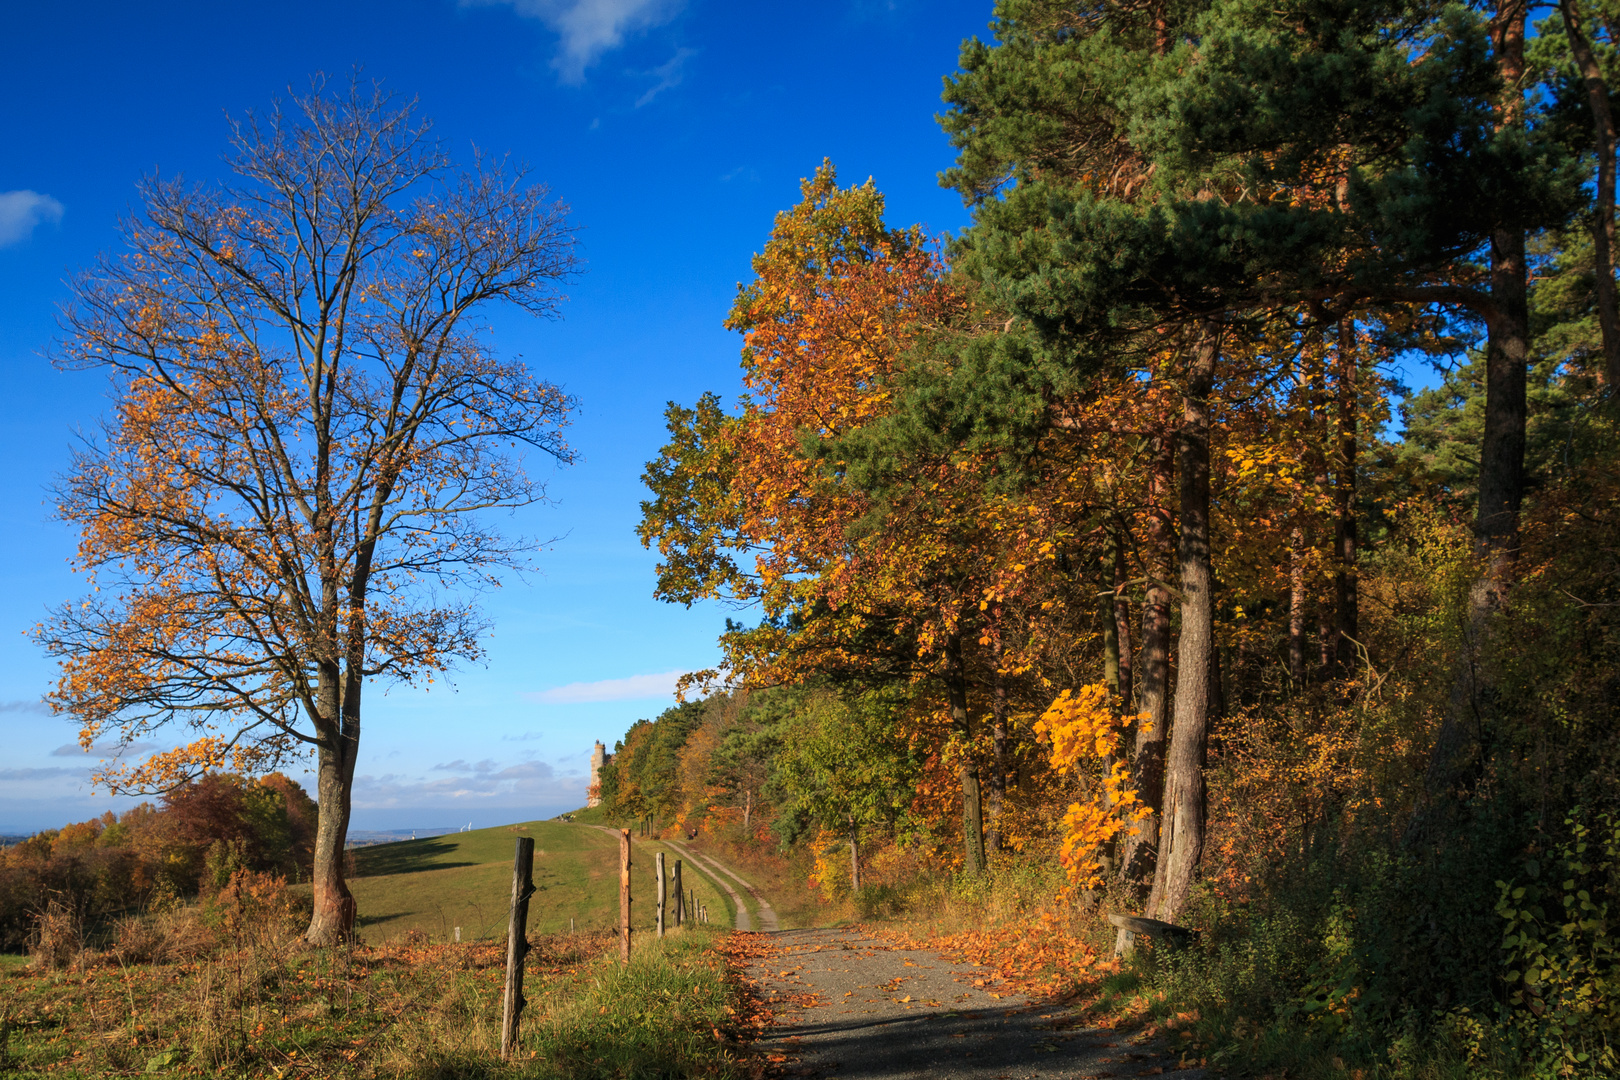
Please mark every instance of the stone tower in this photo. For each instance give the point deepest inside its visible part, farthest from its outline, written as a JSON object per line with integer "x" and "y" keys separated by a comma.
{"x": 599, "y": 758}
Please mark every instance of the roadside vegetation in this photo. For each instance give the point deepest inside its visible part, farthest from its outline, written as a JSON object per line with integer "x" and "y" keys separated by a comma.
{"x": 227, "y": 987}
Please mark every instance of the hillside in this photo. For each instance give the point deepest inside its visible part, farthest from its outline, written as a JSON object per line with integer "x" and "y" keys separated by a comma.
{"x": 433, "y": 885}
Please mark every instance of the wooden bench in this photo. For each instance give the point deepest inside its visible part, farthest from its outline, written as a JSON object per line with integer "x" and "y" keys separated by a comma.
{"x": 1173, "y": 936}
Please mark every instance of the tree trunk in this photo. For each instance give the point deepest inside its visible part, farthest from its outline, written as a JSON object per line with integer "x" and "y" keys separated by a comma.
{"x": 1348, "y": 632}
{"x": 1110, "y": 643}
{"x": 1458, "y": 747}
{"x": 998, "y": 740}
{"x": 1296, "y": 607}
{"x": 333, "y": 920}
{"x": 1501, "y": 464}
{"x": 854, "y": 856}
{"x": 1603, "y": 133}
{"x": 1181, "y": 836}
{"x": 1122, "y": 622}
{"x": 972, "y": 806}
{"x": 1147, "y": 756}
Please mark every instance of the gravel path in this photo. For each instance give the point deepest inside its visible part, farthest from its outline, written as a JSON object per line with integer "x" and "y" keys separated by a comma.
{"x": 852, "y": 1007}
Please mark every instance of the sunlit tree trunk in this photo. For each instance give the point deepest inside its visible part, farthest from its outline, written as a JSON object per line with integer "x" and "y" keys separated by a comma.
{"x": 1153, "y": 695}
{"x": 1296, "y": 606}
{"x": 1181, "y": 835}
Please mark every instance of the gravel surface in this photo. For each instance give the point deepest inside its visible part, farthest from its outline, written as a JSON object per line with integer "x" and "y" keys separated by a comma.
{"x": 852, "y": 1007}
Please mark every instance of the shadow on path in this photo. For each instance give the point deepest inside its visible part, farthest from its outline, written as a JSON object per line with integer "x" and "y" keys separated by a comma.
{"x": 853, "y": 1007}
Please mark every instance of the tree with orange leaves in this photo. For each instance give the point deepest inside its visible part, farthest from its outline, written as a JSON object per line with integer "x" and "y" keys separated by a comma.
{"x": 308, "y": 424}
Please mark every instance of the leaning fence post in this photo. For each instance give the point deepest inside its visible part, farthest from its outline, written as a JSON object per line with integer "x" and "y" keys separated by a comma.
{"x": 680, "y": 897}
{"x": 517, "y": 941}
{"x": 658, "y": 874}
{"x": 624, "y": 896}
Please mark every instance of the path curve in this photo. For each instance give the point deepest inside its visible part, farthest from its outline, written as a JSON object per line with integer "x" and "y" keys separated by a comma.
{"x": 742, "y": 922}
{"x": 768, "y": 921}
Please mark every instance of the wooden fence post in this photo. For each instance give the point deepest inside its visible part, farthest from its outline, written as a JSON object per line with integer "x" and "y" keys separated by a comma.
{"x": 658, "y": 874}
{"x": 517, "y": 941}
{"x": 624, "y": 896}
{"x": 680, "y": 896}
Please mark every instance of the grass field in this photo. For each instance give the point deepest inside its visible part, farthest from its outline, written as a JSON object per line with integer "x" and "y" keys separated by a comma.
{"x": 436, "y": 884}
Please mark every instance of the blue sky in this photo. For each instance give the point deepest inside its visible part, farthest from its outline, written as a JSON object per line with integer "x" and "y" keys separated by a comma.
{"x": 675, "y": 131}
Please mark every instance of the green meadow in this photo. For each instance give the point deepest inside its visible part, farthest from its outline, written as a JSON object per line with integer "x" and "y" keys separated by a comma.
{"x": 436, "y": 884}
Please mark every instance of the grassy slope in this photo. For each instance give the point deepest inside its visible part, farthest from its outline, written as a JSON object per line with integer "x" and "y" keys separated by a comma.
{"x": 465, "y": 879}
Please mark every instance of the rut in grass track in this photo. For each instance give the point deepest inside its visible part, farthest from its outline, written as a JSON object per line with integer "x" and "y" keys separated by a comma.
{"x": 850, "y": 1006}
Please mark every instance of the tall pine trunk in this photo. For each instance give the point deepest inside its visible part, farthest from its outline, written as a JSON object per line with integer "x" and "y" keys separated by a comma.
{"x": 1345, "y": 536}
{"x": 1140, "y": 858}
{"x": 1603, "y": 231}
{"x": 1181, "y": 836}
{"x": 1456, "y": 759}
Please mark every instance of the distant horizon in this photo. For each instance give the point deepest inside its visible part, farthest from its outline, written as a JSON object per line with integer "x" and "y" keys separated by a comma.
{"x": 379, "y": 820}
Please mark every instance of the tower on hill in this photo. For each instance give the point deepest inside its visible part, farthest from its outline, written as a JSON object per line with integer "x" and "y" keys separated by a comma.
{"x": 599, "y": 758}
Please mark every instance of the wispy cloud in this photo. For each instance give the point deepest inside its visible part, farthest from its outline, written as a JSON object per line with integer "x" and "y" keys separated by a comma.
{"x": 73, "y": 749}
{"x": 527, "y": 783}
{"x": 38, "y": 774}
{"x": 636, "y": 686}
{"x": 22, "y": 211}
{"x": 37, "y": 707}
{"x": 458, "y": 765}
{"x": 668, "y": 74}
{"x": 589, "y": 28}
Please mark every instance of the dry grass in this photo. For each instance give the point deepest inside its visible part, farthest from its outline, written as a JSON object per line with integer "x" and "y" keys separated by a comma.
{"x": 228, "y": 988}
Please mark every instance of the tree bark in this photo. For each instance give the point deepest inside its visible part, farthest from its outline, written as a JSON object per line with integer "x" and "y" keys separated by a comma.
{"x": 1181, "y": 836}
{"x": 1122, "y": 622}
{"x": 972, "y": 805}
{"x": 1507, "y": 348}
{"x": 1603, "y": 231}
{"x": 1140, "y": 858}
{"x": 1296, "y": 607}
{"x": 332, "y": 921}
{"x": 1459, "y": 744}
{"x": 998, "y": 741}
{"x": 1344, "y": 502}
{"x": 854, "y": 856}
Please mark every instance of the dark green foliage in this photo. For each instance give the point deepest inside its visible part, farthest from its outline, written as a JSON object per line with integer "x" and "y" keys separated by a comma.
{"x": 645, "y": 764}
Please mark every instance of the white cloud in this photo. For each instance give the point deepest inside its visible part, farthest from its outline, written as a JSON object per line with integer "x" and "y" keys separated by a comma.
{"x": 636, "y": 686}
{"x": 526, "y": 784}
{"x": 21, "y": 211}
{"x": 459, "y": 765}
{"x": 111, "y": 749}
{"x": 589, "y": 28}
{"x": 668, "y": 75}
{"x": 38, "y": 774}
{"x": 25, "y": 707}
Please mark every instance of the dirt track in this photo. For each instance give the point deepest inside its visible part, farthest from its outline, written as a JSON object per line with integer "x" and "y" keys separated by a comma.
{"x": 853, "y": 1007}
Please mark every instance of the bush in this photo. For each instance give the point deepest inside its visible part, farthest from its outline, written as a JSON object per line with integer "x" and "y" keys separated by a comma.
{"x": 1563, "y": 965}
{"x": 58, "y": 938}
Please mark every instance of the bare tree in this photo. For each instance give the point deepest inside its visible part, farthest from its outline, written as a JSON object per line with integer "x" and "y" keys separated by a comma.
{"x": 292, "y": 494}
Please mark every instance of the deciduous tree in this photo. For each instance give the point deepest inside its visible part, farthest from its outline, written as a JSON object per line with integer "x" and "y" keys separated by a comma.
{"x": 288, "y": 500}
